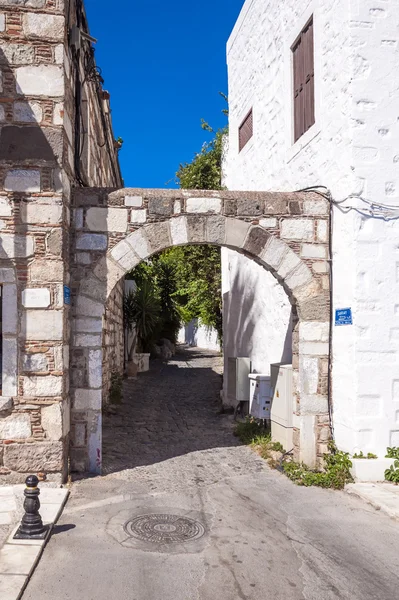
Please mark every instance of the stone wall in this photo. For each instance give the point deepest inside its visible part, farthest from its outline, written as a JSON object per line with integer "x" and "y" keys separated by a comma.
{"x": 113, "y": 339}
{"x": 353, "y": 150}
{"x": 37, "y": 171}
{"x": 285, "y": 233}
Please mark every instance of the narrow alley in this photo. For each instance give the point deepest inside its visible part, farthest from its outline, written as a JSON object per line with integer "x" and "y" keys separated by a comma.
{"x": 183, "y": 512}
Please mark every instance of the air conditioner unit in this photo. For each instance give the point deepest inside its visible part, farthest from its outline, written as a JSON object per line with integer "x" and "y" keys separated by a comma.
{"x": 238, "y": 369}
{"x": 282, "y": 409}
{"x": 260, "y": 395}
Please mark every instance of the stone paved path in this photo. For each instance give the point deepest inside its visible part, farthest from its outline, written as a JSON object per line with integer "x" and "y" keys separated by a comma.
{"x": 248, "y": 532}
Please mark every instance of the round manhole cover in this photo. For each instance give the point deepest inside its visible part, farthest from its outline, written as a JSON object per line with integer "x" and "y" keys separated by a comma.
{"x": 164, "y": 529}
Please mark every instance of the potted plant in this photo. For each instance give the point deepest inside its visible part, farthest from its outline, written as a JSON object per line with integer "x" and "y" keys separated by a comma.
{"x": 141, "y": 313}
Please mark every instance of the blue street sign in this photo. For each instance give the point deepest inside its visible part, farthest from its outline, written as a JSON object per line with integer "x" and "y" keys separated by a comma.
{"x": 343, "y": 316}
{"x": 67, "y": 295}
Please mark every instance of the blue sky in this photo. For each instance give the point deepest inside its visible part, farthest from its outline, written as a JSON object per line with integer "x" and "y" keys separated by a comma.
{"x": 164, "y": 64}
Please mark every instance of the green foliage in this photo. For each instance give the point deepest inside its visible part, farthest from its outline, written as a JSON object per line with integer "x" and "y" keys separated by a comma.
{"x": 392, "y": 474}
{"x": 335, "y": 475}
{"x": 141, "y": 308}
{"x": 277, "y": 447}
{"x": 115, "y": 390}
{"x": 251, "y": 431}
{"x": 392, "y": 452}
{"x": 361, "y": 455}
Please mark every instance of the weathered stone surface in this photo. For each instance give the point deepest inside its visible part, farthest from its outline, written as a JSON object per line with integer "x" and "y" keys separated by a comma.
{"x": 95, "y": 368}
{"x": 178, "y": 231}
{"x": 106, "y": 219}
{"x": 10, "y": 308}
{"x": 301, "y": 275}
{"x": 135, "y": 201}
{"x": 313, "y": 331}
{"x": 17, "y": 54}
{"x": 160, "y": 206}
{"x": 271, "y": 222}
{"x": 290, "y": 262}
{"x": 35, "y": 363}
{"x": 25, "y": 458}
{"x": 215, "y": 230}
{"x": 313, "y": 251}
{"x": 249, "y": 207}
{"x": 33, "y": 80}
{"x": 43, "y": 386}
{"x": 82, "y": 340}
{"x": 39, "y": 25}
{"x": 138, "y": 216}
{"x": 52, "y": 421}
{"x": 315, "y": 309}
{"x": 236, "y": 232}
{"x": 15, "y": 427}
{"x": 6, "y": 403}
{"x": 308, "y": 374}
{"x": 36, "y": 298}
{"x": 322, "y": 231}
{"x": 54, "y": 242}
{"x": 88, "y": 325}
{"x": 5, "y": 208}
{"x": 196, "y": 229}
{"x": 315, "y": 207}
{"x": 41, "y": 214}
{"x": 159, "y": 235}
{"x": 27, "y": 3}
{"x": 91, "y": 241}
{"x": 256, "y": 241}
{"x": 88, "y": 307}
{"x": 87, "y": 399}
{"x": 10, "y": 365}
{"x": 22, "y": 180}
{"x": 7, "y": 276}
{"x": 203, "y": 205}
{"x": 2, "y": 21}
{"x": 297, "y": 229}
{"x": 16, "y": 246}
{"x": 42, "y": 325}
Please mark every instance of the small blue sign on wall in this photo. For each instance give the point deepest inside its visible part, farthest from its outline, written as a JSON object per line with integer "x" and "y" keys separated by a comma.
{"x": 67, "y": 295}
{"x": 343, "y": 316}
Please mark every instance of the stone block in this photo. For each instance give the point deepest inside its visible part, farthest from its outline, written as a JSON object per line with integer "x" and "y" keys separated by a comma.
{"x": 35, "y": 363}
{"x": 297, "y": 229}
{"x": 300, "y": 276}
{"x": 159, "y": 236}
{"x": 274, "y": 252}
{"x": 7, "y": 276}
{"x": 320, "y": 267}
{"x": 54, "y": 242}
{"x": 10, "y": 309}
{"x": 138, "y": 216}
{"x": 290, "y": 262}
{"x": 6, "y": 403}
{"x": 160, "y": 206}
{"x": 45, "y": 386}
{"x": 58, "y": 358}
{"x": 135, "y": 201}
{"x": 313, "y": 404}
{"x": 139, "y": 242}
{"x": 42, "y": 325}
{"x": 308, "y": 375}
{"x": 91, "y": 241}
{"x": 86, "y": 399}
{"x": 33, "y": 80}
{"x": 106, "y": 219}
{"x": 95, "y": 368}
{"x": 40, "y": 25}
{"x": 2, "y": 114}
{"x": 249, "y": 207}
{"x": 256, "y": 241}
{"x": 315, "y": 207}
{"x": 16, "y": 246}
{"x": 15, "y": 427}
{"x": 88, "y": 307}
{"x": 41, "y": 214}
{"x": 10, "y": 366}
{"x": 46, "y": 271}
{"x": 5, "y": 208}
{"x": 36, "y": 298}
{"x": 178, "y": 231}
{"x": 322, "y": 231}
{"x": 79, "y": 435}
{"x": 313, "y": 251}
{"x": 59, "y": 54}
{"x": 27, "y": 458}
{"x": 312, "y": 331}
{"x": 88, "y": 325}
{"x": 275, "y": 205}
{"x": 268, "y": 223}
{"x": 236, "y": 232}
{"x": 27, "y": 112}
{"x": 83, "y": 340}
{"x": 313, "y": 348}
{"x": 17, "y": 54}
{"x": 22, "y": 180}
{"x": 316, "y": 308}
{"x": 203, "y": 205}
{"x": 177, "y": 207}
{"x": 196, "y": 230}
{"x": 52, "y": 422}
{"x": 215, "y": 230}
{"x": 93, "y": 288}
{"x": 2, "y": 22}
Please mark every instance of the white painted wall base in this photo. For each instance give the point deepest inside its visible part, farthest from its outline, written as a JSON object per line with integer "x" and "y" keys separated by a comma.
{"x": 370, "y": 469}
{"x": 199, "y": 336}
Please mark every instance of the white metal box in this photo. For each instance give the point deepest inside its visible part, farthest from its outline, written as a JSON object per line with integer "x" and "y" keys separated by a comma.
{"x": 238, "y": 369}
{"x": 260, "y": 395}
{"x": 282, "y": 409}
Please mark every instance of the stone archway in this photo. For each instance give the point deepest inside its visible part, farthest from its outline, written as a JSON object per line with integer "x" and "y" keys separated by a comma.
{"x": 286, "y": 233}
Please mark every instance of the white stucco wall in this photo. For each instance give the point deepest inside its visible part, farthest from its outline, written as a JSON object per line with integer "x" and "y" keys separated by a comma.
{"x": 199, "y": 336}
{"x": 353, "y": 149}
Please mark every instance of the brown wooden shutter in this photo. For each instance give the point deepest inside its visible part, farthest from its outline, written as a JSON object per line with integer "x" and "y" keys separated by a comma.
{"x": 245, "y": 131}
{"x": 303, "y": 65}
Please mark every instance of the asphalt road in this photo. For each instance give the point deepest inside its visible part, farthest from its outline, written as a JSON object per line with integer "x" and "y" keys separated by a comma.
{"x": 198, "y": 517}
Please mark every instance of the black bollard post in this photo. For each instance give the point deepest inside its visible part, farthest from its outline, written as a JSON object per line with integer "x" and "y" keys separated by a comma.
{"x": 31, "y": 527}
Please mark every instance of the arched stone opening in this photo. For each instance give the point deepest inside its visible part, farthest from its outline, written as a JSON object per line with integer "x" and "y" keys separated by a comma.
{"x": 293, "y": 261}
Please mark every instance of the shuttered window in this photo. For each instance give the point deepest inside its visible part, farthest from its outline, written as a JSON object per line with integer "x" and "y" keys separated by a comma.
{"x": 245, "y": 131}
{"x": 303, "y": 62}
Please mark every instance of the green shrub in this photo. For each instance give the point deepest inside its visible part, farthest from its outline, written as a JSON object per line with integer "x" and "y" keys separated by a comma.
{"x": 392, "y": 452}
{"x": 335, "y": 475}
{"x": 361, "y": 455}
{"x": 392, "y": 474}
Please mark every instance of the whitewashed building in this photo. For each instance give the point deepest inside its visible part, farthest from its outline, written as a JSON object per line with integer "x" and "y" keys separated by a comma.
{"x": 314, "y": 101}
